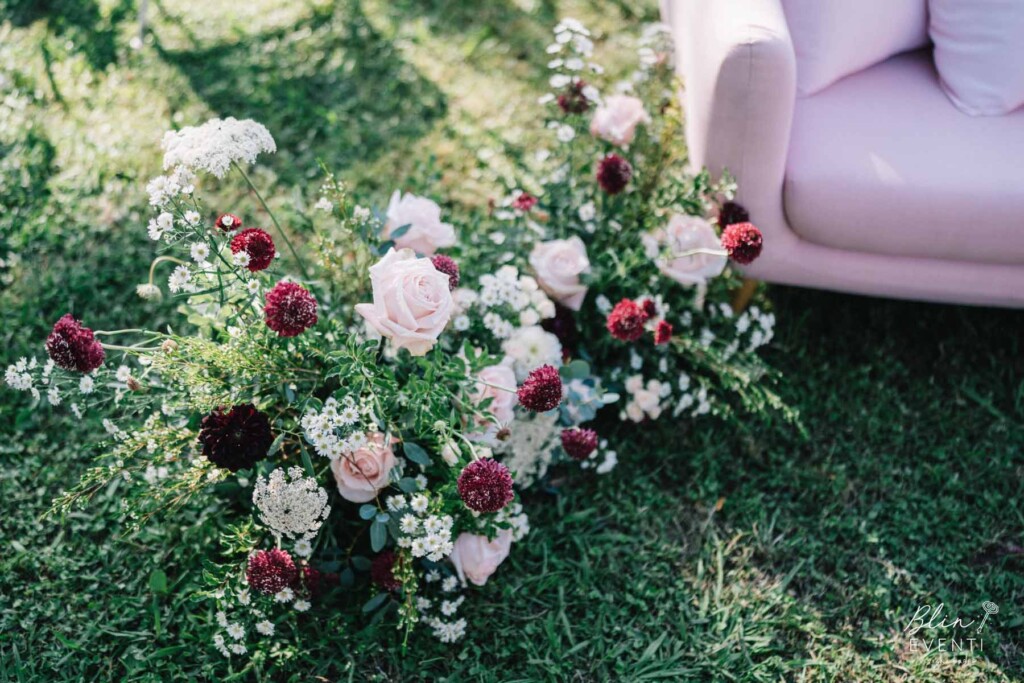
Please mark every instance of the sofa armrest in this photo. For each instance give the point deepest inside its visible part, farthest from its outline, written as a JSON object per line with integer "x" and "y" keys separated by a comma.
{"x": 738, "y": 68}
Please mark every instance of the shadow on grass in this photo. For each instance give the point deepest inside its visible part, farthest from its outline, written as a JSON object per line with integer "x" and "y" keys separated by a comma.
{"x": 329, "y": 87}
{"x": 82, "y": 22}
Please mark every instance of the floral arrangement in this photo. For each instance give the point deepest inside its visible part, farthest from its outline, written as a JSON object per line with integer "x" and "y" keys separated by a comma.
{"x": 422, "y": 377}
{"x": 286, "y": 385}
{"x": 616, "y": 266}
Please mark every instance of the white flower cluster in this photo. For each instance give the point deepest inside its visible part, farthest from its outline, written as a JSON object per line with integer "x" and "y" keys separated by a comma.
{"x": 645, "y": 399}
{"x": 244, "y": 613}
{"x": 293, "y": 507}
{"x": 506, "y": 300}
{"x": 602, "y": 460}
{"x": 164, "y": 189}
{"x": 570, "y": 54}
{"x": 19, "y": 376}
{"x": 761, "y": 326}
{"x": 423, "y": 533}
{"x": 334, "y": 430}
{"x": 445, "y": 631}
{"x": 216, "y": 145}
{"x": 528, "y": 450}
{"x": 530, "y": 347}
{"x": 514, "y": 518}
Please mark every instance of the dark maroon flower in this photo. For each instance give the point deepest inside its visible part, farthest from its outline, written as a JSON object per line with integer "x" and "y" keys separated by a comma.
{"x": 312, "y": 580}
{"x": 72, "y": 346}
{"x": 228, "y": 222}
{"x": 563, "y": 326}
{"x": 382, "y": 571}
{"x": 613, "y": 174}
{"x": 270, "y": 571}
{"x": 731, "y": 213}
{"x": 626, "y": 321}
{"x": 258, "y": 244}
{"x": 485, "y": 485}
{"x": 448, "y": 266}
{"x": 743, "y": 241}
{"x": 524, "y": 202}
{"x": 542, "y": 390}
{"x": 235, "y": 438}
{"x": 650, "y": 308}
{"x": 290, "y": 309}
{"x": 579, "y": 443}
{"x": 663, "y": 332}
{"x": 572, "y": 100}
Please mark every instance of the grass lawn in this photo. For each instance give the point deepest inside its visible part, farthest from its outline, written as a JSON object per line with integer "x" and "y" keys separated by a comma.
{"x": 706, "y": 556}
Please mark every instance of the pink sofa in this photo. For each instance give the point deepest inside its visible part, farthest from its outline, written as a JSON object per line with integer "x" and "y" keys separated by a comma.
{"x": 876, "y": 184}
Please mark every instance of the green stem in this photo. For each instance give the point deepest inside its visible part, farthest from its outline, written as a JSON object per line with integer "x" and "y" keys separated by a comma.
{"x": 161, "y": 259}
{"x": 129, "y": 331}
{"x": 284, "y": 236}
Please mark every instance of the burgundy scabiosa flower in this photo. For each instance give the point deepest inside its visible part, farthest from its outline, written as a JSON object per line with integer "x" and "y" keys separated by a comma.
{"x": 228, "y": 222}
{"x": 235, "y": 438}
{"x": 72, "y": 346}
{"x": 270, "y": 571}
{"x": 732, "y": 213}
{"x": 743, "y": 241}
{"x": 626, "y": 321}
{"x": 258, "y": 245}
{"x": 572, "y": 100}
{"x": 382, "y": 571}
{"x": 579, "y": 443}
{"x": 613, "y": 174}
{"x": 542, "y": 390}
{"x": 524, "y": 202}
{"x": 290, "y": 309}
{"x": 448, "y": 266}
{"x": 662, "y": 332}
{"x": 563, "y": 326}
{"x": 485, "y": 485}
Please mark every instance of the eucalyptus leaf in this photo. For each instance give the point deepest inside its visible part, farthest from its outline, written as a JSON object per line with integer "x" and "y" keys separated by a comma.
{"x": 415, "y": 452}
{"x": 378, "y": 535}
{"x": 374, "y": 602}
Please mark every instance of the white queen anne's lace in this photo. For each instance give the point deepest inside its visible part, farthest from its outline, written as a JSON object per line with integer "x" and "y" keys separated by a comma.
{"x": 215, "y": 145}
{"x": 294, "y": 507}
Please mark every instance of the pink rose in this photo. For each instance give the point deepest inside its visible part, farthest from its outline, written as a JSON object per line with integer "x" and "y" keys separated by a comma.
{"x": 411, "y": 301}
{"x": 475, "y": 558}
{"x": 426, "y": 233}
{"x": 616, "y": 120}
{"x": 558, "y": 265}
{"x": 361, "y": 474}
{"x": 503, "y": 405}
{"x": 668, "y": 247}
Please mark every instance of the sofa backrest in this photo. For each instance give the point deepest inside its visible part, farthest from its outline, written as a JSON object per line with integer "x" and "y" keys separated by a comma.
{"x": 835, "y": 38}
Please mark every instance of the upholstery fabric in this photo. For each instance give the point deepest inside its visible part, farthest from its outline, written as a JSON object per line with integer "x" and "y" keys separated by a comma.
{"x": 881, "y": 162}
{"x": 836, "y": 38}
{"x": 979, "y": 52}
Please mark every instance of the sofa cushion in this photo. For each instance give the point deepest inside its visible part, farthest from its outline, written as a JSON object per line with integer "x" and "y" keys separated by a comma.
{"x": 979, "y": 52}
{"x": 882, "y": 162}
{"x": 835, "y": 38}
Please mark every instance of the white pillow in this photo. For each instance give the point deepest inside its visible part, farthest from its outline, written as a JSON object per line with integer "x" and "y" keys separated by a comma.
{"x": 979, "y": 53}
{"x": 835, "y": 38}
